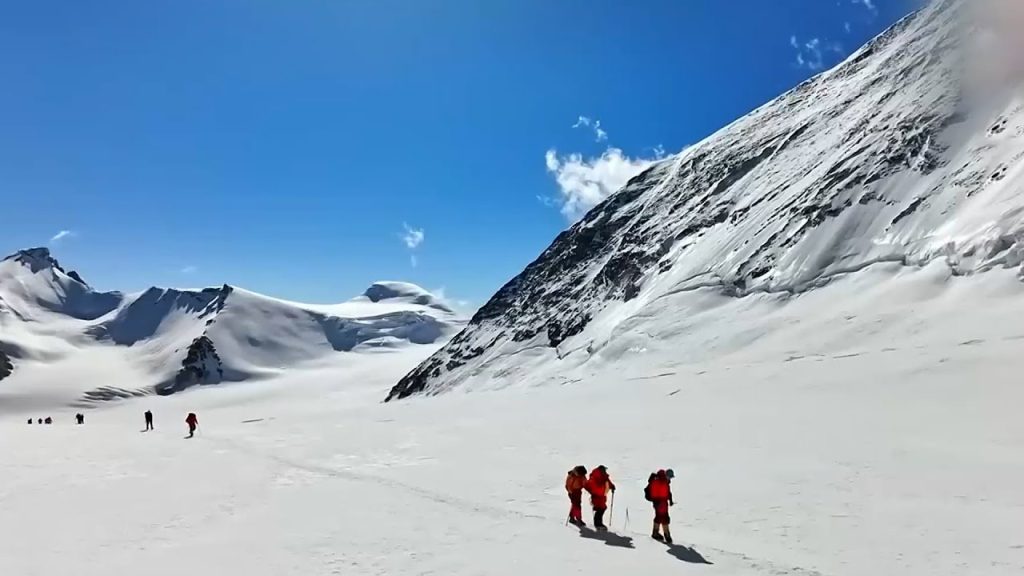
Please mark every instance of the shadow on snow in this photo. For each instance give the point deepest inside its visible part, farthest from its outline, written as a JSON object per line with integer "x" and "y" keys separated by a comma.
{"x": 690, "y": 555}
{"x": 609, "y": 538}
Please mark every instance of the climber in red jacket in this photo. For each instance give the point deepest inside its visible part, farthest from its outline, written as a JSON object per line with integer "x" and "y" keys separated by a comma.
{"x": 659, "y": 492}
{"x": 575, "y": 481}
{"x": 598, "y": 485}
{"x": 193, "y": 423}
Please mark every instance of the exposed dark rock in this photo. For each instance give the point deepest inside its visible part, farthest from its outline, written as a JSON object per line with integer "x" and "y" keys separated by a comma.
{"x": 6, "y": 366}
{"x": 201, "y": 365}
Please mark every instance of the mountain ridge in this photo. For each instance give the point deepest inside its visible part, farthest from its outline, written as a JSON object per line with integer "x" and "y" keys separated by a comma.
{"x": 877, "y": 160}
{"x": 166, "y": 340}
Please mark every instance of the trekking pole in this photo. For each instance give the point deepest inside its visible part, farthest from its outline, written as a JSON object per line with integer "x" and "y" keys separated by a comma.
{"x": 625, "y": 527}
{"x": 611, "y": 508}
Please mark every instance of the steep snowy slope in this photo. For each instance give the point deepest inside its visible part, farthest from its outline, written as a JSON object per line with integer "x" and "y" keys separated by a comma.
{"x": 34, "y": 284}
{"x": 63, "y": 342}
{"x": 882, "y": 159}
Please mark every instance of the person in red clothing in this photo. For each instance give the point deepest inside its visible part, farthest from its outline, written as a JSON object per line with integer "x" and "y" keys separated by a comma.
{"x": 575, "y": 481}
{"x": 598, "y": 485}
{"x": 193, "y": 423}
{"x": 659, "y": 492}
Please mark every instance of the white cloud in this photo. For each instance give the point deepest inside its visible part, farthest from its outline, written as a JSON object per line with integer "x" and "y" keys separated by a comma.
{"x": 584, "y": 183}
{"x": 869, "y": 4}
{"x": 412, "y": 237}
{"x": 810, "y": 54}
{"x": 584, "y": 122}
{"x": 189, "y": 270}
{"x": 61, "y": 235}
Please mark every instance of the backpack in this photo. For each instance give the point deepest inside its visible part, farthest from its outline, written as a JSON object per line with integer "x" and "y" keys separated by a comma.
{"x": 647, "y": 489}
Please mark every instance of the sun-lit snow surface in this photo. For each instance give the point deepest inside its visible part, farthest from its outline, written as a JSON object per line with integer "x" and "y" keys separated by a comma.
{"x": 879, "y": 160}
{"x": 860, "y": 440}
{"x": 871, "y": 426}
{"x": 68, "y": 343}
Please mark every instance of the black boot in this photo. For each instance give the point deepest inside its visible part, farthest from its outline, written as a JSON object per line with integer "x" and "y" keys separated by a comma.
{"x": 599, "y": 520}
{"x": 657, "y": 537}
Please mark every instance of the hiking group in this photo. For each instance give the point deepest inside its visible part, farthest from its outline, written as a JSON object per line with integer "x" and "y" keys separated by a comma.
{"x": 192, "y": 421}
{"x": 599, "y": 485}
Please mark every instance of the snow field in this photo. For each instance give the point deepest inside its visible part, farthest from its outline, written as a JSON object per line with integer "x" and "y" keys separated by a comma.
{"x": 867, "y": 458}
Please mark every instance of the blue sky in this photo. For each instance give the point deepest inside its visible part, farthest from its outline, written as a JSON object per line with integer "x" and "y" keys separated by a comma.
{"x": 306, "y": 148}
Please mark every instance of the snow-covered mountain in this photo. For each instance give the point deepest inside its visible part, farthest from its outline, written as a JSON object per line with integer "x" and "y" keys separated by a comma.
{"x": 883, "y": 159}
{"x": 57, "y": 333}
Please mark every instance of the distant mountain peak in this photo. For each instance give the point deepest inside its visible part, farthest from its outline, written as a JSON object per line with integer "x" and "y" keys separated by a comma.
{"x": 404, "y": 292}
{"x": 39, "y": 258}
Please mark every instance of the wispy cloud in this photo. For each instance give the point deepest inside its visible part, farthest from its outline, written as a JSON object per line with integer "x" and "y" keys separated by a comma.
{"x": 868, "y": 4}
{"x": 61, "y": 235}
{"x": 584, "y": 182}
{"x": 996, "y": 50}
{"x": 810, "y": 54}
{"x": 584, "y": 122}
{"x": 189, "y": 270}
{"x": 412, "y": 237}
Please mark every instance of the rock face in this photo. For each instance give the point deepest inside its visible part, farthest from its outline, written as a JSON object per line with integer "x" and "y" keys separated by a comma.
{"x": 6, "y": 367}
{"x": 201, "y": 365}
{"x": 877, "y": 160}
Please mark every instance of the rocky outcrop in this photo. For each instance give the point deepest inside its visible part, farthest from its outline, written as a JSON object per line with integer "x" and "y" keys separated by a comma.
{"x": 6, "y": 366}
{"x": 37, "y": 259}
{"x": 201, "y": 365}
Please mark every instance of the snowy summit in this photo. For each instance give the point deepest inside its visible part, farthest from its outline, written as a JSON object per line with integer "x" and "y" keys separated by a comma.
{"x": 792, "y": 348}
{"x": 163, "y": 340}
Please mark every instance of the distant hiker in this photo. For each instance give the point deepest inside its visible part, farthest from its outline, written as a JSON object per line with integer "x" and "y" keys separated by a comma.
{"x": 39, "y": 421}
{"x": 598, "y": 485}
{"x": 575, "y": 481}
{"x": 659, "y": 492}
{"x": 29, "y": 420}
{"x": 149, "y": 419}
{"x": 80, "y": 418}
{"x": 192, "y": 422}
{"x": 48, "y": 420}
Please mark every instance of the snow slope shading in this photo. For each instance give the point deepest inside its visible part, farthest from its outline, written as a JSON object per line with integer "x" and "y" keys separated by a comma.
{"x": 889, "y": 458}
{"x": 878, "y": 160}
{"x": 64, "y": 342}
